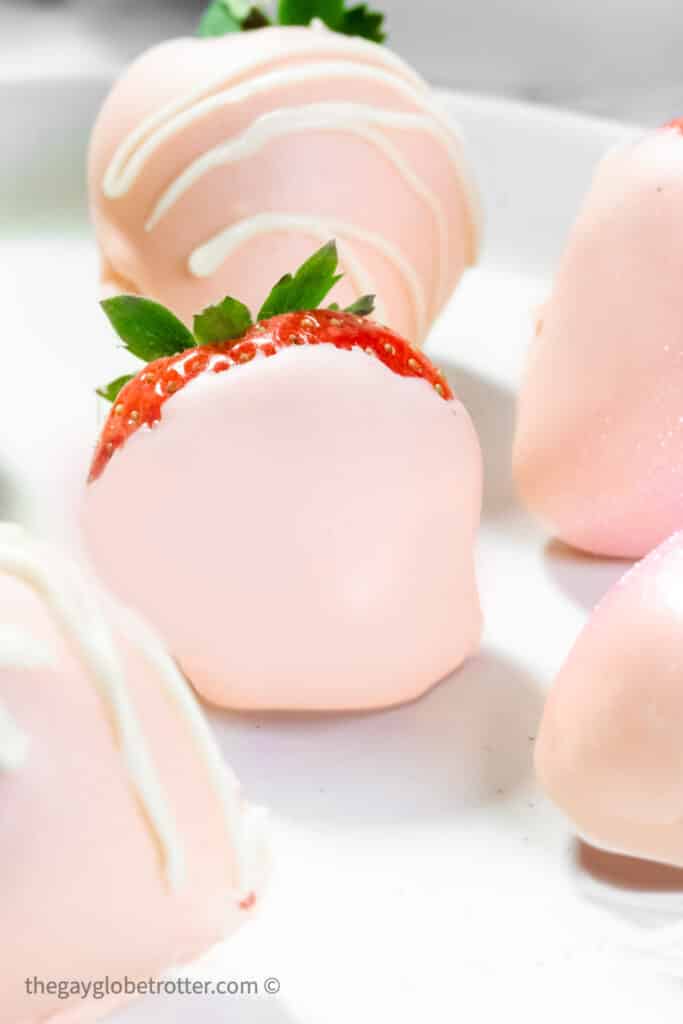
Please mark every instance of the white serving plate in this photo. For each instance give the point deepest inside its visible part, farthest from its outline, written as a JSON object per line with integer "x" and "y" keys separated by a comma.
{"x": 420, "y": 874}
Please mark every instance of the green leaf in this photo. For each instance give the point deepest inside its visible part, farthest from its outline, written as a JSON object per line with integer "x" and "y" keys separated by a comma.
{"x": 358, "y": 20}
{"x": 363, "y": 306}
{"x": 361, "y": 21}
{"x": 307, "y": 288}
{"x": 302, "y": 12}
{"x": 148, "y": 330}
{"x": 225, "y": 16}
{"x": 229, "y": 319}
{"x": 111, "y": 391}
{"x": 217, "y": 20}
{"x": 255, "y": 19}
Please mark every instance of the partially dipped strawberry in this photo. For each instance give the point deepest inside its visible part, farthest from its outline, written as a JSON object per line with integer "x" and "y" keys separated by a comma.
{"x": 293, "y": 501}
{"x": 141, "y": 398}
{"x": 215, "y": 161}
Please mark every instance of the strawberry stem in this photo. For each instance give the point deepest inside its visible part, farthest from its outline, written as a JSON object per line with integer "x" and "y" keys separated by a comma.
{"x": 223, "y": 17}
{"x": 150, "y": 331}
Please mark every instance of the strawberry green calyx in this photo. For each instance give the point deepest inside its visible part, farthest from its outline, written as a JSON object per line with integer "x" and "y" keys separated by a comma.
{"x": 363, "y": 306}
{"x": 357, "y": 20}
{"x": 110, "y": 392}
{"x": 223, "y": 322}
{"x": 149, "y": 331}
{"x": 225, "y": 16}
{"x": 306, "y": 289}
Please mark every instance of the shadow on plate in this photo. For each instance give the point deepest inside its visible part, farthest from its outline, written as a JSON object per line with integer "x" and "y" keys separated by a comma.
{"x": 492, "y": 408}
{"x": 584, "y": 578}
{"x": 466, "y": 743}
{"x": 639, "y": 906}
{"x": 626, "y": 872}
{"x": 177, "y": 1009}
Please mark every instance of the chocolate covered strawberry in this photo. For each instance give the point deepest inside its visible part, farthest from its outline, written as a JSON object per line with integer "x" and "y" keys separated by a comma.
{"x": 225, "y": 336}
{"x": 598, "y": 452}
{"x": 217, "y": 163}
{"x": 292, "y": 500}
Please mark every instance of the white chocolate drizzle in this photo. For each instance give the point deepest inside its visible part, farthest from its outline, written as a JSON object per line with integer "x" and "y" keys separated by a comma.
{"x": 75, "y": 608}
{"x": 347, "y": 118}
{"x": 136, "y": 149}
{"x": 232, "y": 238}
{"x": 206, "y": 259}
{"x": 14, "y": 744}
{"x": 221, "y": 86}
{"x": 18, "y": 650}
{"x": 223, "y": 779}
{"x": 365, "y": 121}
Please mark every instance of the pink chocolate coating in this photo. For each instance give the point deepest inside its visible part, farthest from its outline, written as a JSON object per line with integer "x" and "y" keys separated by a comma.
{"x": 609, "y": 747}
{"x": 400, "y": 181}
{"x": 599, "y": 445}
{"x": 301, "y": 529}
{"x": 82, "y": 886}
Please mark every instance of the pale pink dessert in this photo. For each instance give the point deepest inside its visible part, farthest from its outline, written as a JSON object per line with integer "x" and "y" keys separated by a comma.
{"x": 217, "y": 164}
{"x": 125, "y": 846}
{"x": 296, "y": 510}
{"x": 599, "y": 446}
{"x": 609, "y": 747}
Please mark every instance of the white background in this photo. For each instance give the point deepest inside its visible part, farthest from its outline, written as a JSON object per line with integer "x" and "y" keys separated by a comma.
{"x": 623, "y": 58}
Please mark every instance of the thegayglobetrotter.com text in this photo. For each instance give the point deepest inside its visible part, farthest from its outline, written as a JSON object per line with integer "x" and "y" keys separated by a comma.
{"x": 106, "y": 987}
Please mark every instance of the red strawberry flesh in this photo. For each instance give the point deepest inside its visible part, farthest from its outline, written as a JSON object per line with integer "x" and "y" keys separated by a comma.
{"x": 141, "y": 400}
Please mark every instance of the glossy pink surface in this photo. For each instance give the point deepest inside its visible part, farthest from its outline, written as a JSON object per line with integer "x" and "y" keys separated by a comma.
{"x": 599, "y": 445}
{"x": 335, "y": 176}
{"x": 301, "y": 529}
{"x": 82, "y": 888}
{"x": 609, "y": 747}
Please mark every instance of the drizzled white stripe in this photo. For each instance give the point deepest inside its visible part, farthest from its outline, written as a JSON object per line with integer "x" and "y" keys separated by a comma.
{"x": 19, "y": 650}
{"x": 348, "y": 118}
{"x": 86, "y": 632}
{"x": 137, "y": 148}
{"x": 14, "y": 743}
{"x": 207, "y": 258}
{"x": 76, "y": 610}
{"x": 368, "y": 55}
{"x": 222, "y": 778}
{"x": 143, "y": 142}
